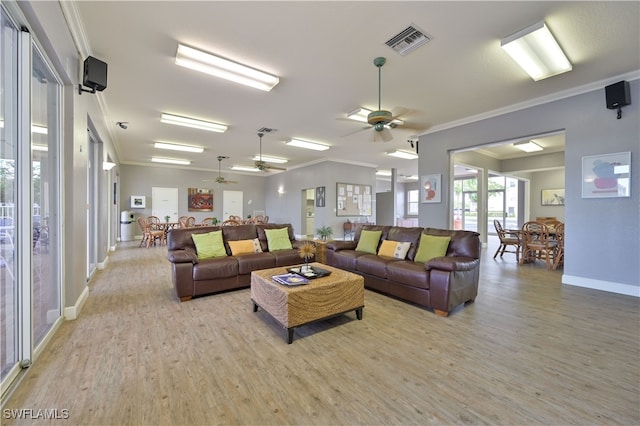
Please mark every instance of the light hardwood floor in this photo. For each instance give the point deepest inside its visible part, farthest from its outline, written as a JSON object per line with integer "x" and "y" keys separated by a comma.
{"x": 528, "y": 351}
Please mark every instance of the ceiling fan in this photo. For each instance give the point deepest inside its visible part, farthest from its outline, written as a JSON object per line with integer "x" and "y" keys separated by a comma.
{"x": 382, "y": 120}
{"x": 262, "y": 165}
{"x": 220, "y": 179}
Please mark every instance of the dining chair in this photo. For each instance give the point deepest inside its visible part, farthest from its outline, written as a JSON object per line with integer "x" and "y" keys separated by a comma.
{"x": 508, "y": 238}
{"x": 231, "y": 222}
{"x": 207, "y": 221}
{"x": 560, "y": 246}
{"x": 154, "y": 222}
{"x": 149, "y": 235}
{"x": 187, "y": 221}
{"x": 537, "y": 243}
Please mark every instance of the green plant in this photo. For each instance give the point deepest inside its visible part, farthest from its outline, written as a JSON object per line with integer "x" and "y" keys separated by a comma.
{"x": 167, "y": 218}
{"x": 215, "y": 221}
{"x": 324, "y": 232}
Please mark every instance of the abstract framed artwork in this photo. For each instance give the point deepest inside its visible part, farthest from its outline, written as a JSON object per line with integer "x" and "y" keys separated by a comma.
{"x": 606, "y": 175}
{"x": 552, "y": 197}
{"x": 431, "y": 189}
{"x": 320, "y": 196}
{"x": 200, "y": 200}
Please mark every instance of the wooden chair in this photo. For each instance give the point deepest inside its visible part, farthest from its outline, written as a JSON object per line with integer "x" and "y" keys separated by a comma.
{"x": 207, "y": 221}
{"x": 187, "y": 221}
{"x": 150, "y": 235}
{"x": 231, "y": 222}
{"x": 154, "y": 222}
{"x": 348, "y": 229}
{"x": 537, "y": 244}
{"x": 507, "y": 239}
{"x": 560, "y": 246}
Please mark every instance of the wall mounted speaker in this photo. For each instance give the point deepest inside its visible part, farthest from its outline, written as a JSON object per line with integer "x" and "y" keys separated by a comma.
{"x": 617, "y": 95}
{"x": 95, "y": 74}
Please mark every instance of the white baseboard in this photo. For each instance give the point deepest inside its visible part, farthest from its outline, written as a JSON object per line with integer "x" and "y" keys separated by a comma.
{"x": 102, "y": 265}
{"x": 72, "y": 312}
{"x": 626, "y": 289}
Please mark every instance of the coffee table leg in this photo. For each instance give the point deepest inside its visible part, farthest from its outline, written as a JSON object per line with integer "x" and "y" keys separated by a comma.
{"x": 255, "y": 307}
{"x": 359, "y": 313}
{"x": 289, "y": 335}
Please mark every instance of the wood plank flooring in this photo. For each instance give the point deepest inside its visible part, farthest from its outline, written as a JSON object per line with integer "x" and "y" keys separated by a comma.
{"x": 528, "y": 351}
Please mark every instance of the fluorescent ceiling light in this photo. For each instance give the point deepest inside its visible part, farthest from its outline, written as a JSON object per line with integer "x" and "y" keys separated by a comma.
{"x": 192, "y": 122}
{"x": 529, "y": 146}
{"x": 108, "y": 165}
{"x": 178, "y": 147}
{"x": 308, "y": 145}
{"x": 412, "y": 177}
{"x": 537, "y": 52}
{"x": 406, "y": 155}
{"x": 268, "y": 159}
{"x": 362, "y": 115}
{"x": 383, "y": 173}
{"x": 245, "y": 168}
{"x": 210, "y": 64}
{"x": 35, "y": 147}
{"x": 170, "y": 161}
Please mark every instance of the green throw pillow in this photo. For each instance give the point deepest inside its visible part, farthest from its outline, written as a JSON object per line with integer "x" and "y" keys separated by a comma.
{"x": 209, "y": 244}
{"x": 368, "y": 242}
{"x": 431, "y": 246}
{"x": 278, "y": 239}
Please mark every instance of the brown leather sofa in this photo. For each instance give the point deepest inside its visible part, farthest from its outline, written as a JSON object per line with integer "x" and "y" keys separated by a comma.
{"x": 196, "y": 277}
{"x": 441, "y": 283}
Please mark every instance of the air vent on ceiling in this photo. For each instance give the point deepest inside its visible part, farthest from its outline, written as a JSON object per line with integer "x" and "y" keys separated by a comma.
{"x": 267, "y": 130}
{"x": 407, "y": 40}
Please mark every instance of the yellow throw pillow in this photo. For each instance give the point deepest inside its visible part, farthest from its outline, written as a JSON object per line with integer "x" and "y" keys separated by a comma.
{"x": 368, "y": 241}
{"x": 278, "y": 239}
{"x": 245, "y": 246}
{"x": 431, "y": 246}
{"x": 209, "y": 245}
{"x": 394, "y": 249}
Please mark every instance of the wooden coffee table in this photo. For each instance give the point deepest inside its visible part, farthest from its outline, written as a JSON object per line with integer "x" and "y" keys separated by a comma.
{"x": 322, "y": 298}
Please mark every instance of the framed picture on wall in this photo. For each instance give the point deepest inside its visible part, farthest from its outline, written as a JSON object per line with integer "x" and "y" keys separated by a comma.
{"x": 138, "y": 202}
{"x": 200, "y": 199}
{"x": 320, "y": 194}
{"x": 431, "y": 189}
{"x": 552, "y": 197}
{"x": 606, "y": 175}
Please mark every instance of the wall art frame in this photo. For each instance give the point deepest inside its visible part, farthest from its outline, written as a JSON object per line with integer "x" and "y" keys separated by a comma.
{"x": 606, "y": 175}
{"x": 138, "y": 202}
{"x": 431, "y": 188}
{"x": 200, "y": 199}
{"x": 320, "y": 196}
{"x": 552, "y": 197}
{"x": 353, "y": 199}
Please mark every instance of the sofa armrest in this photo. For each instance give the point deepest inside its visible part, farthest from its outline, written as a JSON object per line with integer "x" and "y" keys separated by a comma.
{"x": 183, "y": 256}
{"x": 450, "y": 263}
{"x": 341, "y": 245}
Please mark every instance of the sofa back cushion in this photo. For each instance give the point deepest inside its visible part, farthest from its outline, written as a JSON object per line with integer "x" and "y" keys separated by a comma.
{"x": 369, "y": 241}
{"x": 360, "y": 228}
{"x": 432, "y": 246}
{"x": 278, "y": 239}
{"x": 463, "y": 243}
{"x": 180, "y": 239}
{"x": 262, "y": 236}
{"x": 406, "y": 235}
{"x": 209, "y": 245}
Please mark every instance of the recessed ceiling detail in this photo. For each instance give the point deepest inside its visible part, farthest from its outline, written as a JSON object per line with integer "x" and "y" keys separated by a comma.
{"x": 408, "y": 40}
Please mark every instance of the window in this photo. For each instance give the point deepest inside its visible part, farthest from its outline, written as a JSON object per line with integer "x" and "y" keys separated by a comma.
{"x": 413, "y": 201}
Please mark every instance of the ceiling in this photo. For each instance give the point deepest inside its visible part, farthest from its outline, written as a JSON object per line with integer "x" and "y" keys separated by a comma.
{"x": 323, "y": 53}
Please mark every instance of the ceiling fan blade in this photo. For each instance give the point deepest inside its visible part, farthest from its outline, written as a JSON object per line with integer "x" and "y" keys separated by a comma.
{"x": 383, "y": 135}
{"x": 356, "y": 131}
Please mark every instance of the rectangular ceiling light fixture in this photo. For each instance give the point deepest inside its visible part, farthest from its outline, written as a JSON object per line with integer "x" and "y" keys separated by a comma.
{"x": 537, "y": 52}
{"x": 192, "y": 122}
{"x": 245, "y": 168}
{"x": 170, "y": 161}
{"x": 308, "y": 145}
{"x": 528, "y": 146}
{"x": 268, "y": 159}
{"x": 177, "y": 147}
{"x": 383, "y": 173}
{"x": 406, "y": 155}
{"x": 207, "y": 63}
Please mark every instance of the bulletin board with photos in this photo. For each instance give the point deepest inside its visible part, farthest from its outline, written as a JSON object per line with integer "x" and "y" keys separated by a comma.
{"x": 353, "y": 199}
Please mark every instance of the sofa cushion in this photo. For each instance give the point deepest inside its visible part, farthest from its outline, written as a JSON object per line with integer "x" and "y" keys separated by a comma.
{"x": 253, "y": 261}
{"x": 215, "y": 268}
{"x": 410, "y": 235}
{"x": 431, "y": 246}
{"x": 368, "y": 241}
{"x": 394, "y": 249}
{"x": 408, "y": 273}
{"x": 209, "y": 245}
{"x": 278, "y": 239}
{"x": 463, "y": 243}
{"x": 261, "y": 228}
{"x": 244, "y": 246}
{"x": 374, "y": 265}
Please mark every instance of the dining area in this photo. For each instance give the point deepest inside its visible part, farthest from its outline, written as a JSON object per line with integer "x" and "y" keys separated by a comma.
{"x": 537, "y": 240}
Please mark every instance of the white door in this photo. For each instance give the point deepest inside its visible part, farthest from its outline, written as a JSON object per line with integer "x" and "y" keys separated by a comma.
{"x": 164, "y": 202}
{"x": 231, "y": 204}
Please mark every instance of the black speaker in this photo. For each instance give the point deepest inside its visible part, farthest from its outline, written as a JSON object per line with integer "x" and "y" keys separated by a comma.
{"x": 95, "y": 74}
{"x": 617, "y": 94}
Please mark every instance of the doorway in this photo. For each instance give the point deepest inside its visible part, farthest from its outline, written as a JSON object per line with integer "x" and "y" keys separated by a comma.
{"x": 308, "y": 212}
{"x": 232, "y": 204}
{"x": 164, "y": 203}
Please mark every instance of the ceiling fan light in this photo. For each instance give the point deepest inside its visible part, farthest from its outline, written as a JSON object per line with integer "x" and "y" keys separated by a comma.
{"x": 308, "y": 145}
{"x": 192, "y": 122}
{"x": 405, "y": 155}
{"x": 528, "y": 146}
{"x": 178, "y": 147}
{"x": 537, "y": 52}
{"x": 208, "y": 63}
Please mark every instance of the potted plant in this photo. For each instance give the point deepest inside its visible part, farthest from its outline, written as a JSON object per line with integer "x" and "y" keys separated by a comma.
{"x": 324, "y": 232}
{"x": 167, "y": 218}
{"x": 215, "y": 221}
